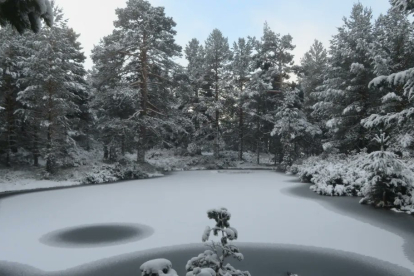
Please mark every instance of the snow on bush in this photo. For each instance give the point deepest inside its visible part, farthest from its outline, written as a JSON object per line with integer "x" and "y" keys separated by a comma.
{"x": 169, "y": 160}
{"x": 122, "y": 170}
{"x": 335, "y": 175}
{"x": 211, "y": 262}
{"x": 365, "y": 175}
{"x": 158, "y": 267}
{"x": 390, "y": 182}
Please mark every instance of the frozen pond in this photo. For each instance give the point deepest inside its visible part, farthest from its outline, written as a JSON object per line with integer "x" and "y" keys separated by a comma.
{"x": 126, "y": 223}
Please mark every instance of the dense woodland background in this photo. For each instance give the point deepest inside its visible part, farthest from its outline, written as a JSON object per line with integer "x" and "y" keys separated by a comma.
{"x": 355, "y": 97}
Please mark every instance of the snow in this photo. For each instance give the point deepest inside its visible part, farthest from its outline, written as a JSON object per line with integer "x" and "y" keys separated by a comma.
{"x": 90, "y": 169}
{"x": 202, "y": 272}
{"x": 158, "y": 267}
{"x": 175, "y": 206}
{"x": 22, "y": 181}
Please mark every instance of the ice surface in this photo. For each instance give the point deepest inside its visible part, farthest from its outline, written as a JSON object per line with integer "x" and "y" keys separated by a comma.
{"x": 175, "y": 206}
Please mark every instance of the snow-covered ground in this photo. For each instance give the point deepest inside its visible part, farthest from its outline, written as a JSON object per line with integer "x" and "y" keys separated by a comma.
{"x": 91, "y": 165}
{"x": 11, "y": 180}
{"x": 175, "y": 207}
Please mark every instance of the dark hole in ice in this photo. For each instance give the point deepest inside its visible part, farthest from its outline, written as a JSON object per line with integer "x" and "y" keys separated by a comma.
{"x": 97, "y": 235}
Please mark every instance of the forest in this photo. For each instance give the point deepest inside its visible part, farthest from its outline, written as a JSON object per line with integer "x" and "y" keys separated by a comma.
{"x": 341, "y": 119}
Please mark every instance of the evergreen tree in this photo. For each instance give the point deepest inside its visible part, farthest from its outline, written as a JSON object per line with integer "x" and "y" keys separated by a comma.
{"x": 293, "y": 128}
{"x": 390, "y": 182}
{"x": 344, "y": 98}
{"x": 140, "y": 51}
{"x": 197, "y": 106}
{"x": 311, "y": 72}
{"x": 272, "y": 64}
{"x": 406, "y": 5}
{"x": 240, "y": 70}
{"x": 12, "y": 53}
{"x": 393, "y": 47}
{"x": 53, "y": 81}
{"x": 217, "y": 58}
{"x": 213, "y": 259}
{"x": 393, "y": 51}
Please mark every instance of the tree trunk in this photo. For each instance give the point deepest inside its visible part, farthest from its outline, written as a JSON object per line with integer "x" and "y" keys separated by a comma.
{"x": 141, "y": 148}
{"x": 123, "y": 145}
{"x": 217, "y": 123}
{"x": 144, "y": 101}
{"x": 35, "y": 148}
{"x": 10, "y": 103}
{"x": 241, "y": 134}
{"x": 50, "y": 159}
{"x": 106, "y": 152}
{"x": 258, "y": 152}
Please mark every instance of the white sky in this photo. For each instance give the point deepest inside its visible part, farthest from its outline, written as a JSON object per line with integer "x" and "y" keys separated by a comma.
{"x": 305, "y": 20}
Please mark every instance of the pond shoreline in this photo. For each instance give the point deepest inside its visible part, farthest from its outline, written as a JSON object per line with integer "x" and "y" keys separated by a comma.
{"x": 398, "y": 223}
{"x": 164, "y": 174}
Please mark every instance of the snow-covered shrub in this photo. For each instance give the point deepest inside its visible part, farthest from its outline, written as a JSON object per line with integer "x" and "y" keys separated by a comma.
{"x": 294, "y": 169}
{"x": 193, "y": 149}
{"x": 390, "y": 181}
{"x": 213, "y": 260}
{"x": 158, "y": 267}
{"x": 334, "y": 175}
{"x": 122, "y": 170}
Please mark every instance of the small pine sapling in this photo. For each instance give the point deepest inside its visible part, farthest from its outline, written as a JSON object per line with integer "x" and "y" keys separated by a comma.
{"x": 390, "y": 182}
{"x": 211, "y": 262}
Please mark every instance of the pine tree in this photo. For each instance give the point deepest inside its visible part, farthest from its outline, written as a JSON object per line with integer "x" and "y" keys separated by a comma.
{"x": 272, "y": 64}
{"x": 406, "y": 5}
{"x": 12, "y": 54}
{"x": 217, "y": 58}
{"x": 240, "y": 70}
{"x": 196, "y": 107}
{"x": 211, "y": 262}
{"x": 53, "y": 80}
{"x": 393, "y": 51}
{"x": 140, "y": 51}
{"x": 390, "y": 182}
{"x": 393, "y": 47}
{"x": 344, "y": 98}
{"x": 311, "y": 72}
{"x": 293, "y": 128}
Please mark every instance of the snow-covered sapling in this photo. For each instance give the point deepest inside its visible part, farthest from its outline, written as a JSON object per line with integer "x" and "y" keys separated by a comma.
{"x": 390, "y": 182}
{"x": 211, "y": 262}
{"x": 157, "y": 267}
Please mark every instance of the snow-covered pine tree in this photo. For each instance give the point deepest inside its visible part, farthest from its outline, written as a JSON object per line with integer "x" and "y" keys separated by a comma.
{"x": 311, "y": 72}
{"x": 141, "y": 49}
{"x": 212, "y": 261}
{"x": 390, "y": 182}
{"x": 293, "y": 128}
{"x": 114, "y": 108}
{"x": 240, "y": 73}
{"x": 272, "y": 64}
{"x": 26, "y": 14}
{"x": 344, "y": 98}
{"x": 217, "y": 57}
{"x": 53, "y": 81}
{"x": 405, "y": 5}
{"x": 12, "y": 54}
{"x": 393, "y": 51}
{"x": 393, "y": 47}
{"x": 196, "y": 106}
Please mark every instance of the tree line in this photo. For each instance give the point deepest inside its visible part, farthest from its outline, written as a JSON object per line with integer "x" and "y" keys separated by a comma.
{"x": 229, "y": 97}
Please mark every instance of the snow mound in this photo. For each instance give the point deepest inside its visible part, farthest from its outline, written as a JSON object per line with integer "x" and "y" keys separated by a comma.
{"x": 157, "y": 267}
